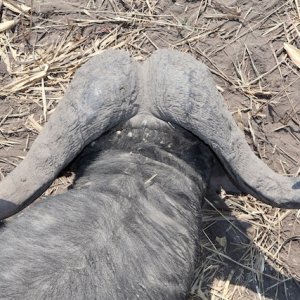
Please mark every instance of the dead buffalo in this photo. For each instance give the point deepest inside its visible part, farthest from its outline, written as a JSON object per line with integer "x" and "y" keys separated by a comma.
{"x": 145, "y": 137}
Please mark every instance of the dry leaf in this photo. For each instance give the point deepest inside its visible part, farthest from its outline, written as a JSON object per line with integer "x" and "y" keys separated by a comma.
{"x": 16, "y": 7}
{"x": 222, "y": 241}
{"x": 25, "y": 81}
{"x": 34, "y": 124}
{"x": 8, "y": 24}
{"x": 293, "y": 52}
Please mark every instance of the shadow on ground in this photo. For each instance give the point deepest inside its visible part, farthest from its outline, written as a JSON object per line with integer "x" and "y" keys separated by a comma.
{"x": 235, "y": 268}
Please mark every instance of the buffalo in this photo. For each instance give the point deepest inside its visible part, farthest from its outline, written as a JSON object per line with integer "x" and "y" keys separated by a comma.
{"x": 145, "y": 138}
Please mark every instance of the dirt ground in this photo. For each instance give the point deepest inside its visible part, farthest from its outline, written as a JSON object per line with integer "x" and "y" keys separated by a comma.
{"x": 249, "y": 249}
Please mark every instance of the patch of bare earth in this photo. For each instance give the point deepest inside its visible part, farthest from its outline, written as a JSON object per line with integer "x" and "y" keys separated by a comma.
{"x": 250, "y": 250}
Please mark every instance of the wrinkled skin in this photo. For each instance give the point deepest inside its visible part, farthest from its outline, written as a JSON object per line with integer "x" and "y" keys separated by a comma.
{"x": 129, "y": 227}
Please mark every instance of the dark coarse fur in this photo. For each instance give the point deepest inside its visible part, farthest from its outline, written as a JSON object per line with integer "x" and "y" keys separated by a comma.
{"x": 129, "y": 228}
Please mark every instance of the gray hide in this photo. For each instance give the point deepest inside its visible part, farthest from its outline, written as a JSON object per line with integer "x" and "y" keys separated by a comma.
{"x": 129, "y": 227}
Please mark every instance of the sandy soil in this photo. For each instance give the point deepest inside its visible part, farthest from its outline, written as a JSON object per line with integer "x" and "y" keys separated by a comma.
{"x": 250, "y": 249}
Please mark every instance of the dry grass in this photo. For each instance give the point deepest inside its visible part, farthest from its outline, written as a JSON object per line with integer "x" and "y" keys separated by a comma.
{"x": 40, "y": 49}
